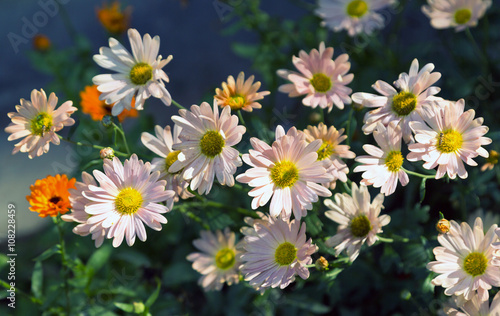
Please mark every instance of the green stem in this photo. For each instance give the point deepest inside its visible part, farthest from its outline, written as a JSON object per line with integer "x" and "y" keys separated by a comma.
{"x": 479, "y": 53}
{"x": 178, "y": 105}
{"x": 348, "y": 126}
{"x": 64, "y": 262}
{"x": 241, "y": 118}
{"x": 424, "y": 176}
{"x": 124, "y": 138}
{"x": 118, "y": 153}
{"x": 393, "y": 239}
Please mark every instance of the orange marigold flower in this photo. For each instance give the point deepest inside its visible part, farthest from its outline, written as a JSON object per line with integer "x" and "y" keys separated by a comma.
{"x": 50, "y": 196}
{"x": 97, "y": 109}
{"x": 113, "y": 18}
{"x": 41, "y": 43}
{"x": 240, "y": 94}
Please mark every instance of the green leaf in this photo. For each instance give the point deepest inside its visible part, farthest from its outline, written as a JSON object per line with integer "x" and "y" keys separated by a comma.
{"x": 245, "y": 50}
{"x": 313, "y": 224}
{"x": 37, "y": 280}
{"x": 154, "y": 296}
{"x": 422, "y": 190}
{"x": 324, "y": 248}
{"x": 48, "y": 253}
{"x": 99, "y": 258}
{"x": 129, "y": 308}
{"x": 332, "y": 274}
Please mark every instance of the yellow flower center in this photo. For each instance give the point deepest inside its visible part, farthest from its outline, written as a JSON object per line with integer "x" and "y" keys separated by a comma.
{"x": 357, "y": 8}
{"x": 128, "y": 201}
{"x": 475, "y": 264}
{"x": 225, "y": 258}
{"x": 170, "y": 159}
{"x": 285, "y": 254}
{"x": 394, "y": 161}
{"x": 463, "y": 16}
{"x": 141, "y": 73}
{"x": 284, "y": 174}
{"x": 41, "y": 124}
{"x": 449, "y": 141}
{"x": 404, "y": 103}
{"x": 360, "y": 226}
{"x": 211, "y": 144}
{"x": 321, "y": 82}
{"x": 326, "y": 150}
{"x": 236, "y": 102}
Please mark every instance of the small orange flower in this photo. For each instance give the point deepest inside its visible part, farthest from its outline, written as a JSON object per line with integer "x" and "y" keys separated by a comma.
{"x": 41, "y": 43}
{"x": 240, "y": 94}
{"x": 113, "y": 18}
{"x": 50, "y": 196}
{"x": 97, "y": 109}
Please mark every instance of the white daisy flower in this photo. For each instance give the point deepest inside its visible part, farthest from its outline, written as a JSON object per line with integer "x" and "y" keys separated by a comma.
{"x": 288, "y": 172}
{"x": 406, "y": 105}
{"x": 383, "y": 167}
{"x": 359, "y": 220}
{"x": 38, "y": 121}
{"x": 459, "y": 14}
{"x": 476, "y": 307}
{"x": 322, "y": 80}
{"x": 451, "y": 137}
{"x": 464, "y": 261}
{"x": 128, "y": 197}
{"x": 78, "y": 214}
{"x": 139, "y": 74}
{"x": 162, "y": 146}
{"x": 275, "y": 252}
{"x": 217, "y": 261}
{"x": 205, "y": 146}
{"x": 355, "y": 16}
{"x": 331, "y": 152}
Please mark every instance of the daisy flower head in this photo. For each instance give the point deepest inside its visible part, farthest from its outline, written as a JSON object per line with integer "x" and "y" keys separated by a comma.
{"x": 459, "y": 14}
{"x": 322, "y": 80}
{"x": 97, "y": 108}
{"x": 162, "y": 146}
{"x": 78, "y": 214}
{"x": 128, "y": 197}
{"x": 450, "y": 137}
{"x": 359, "y": 220}
{"x": 206, "y": 146}
{"x": 464, "y": 261}
{"x": 139, "y": 74}
{"x": 383, "y": 167}
{"x": 355, "y": 16}
{"x": 240, "y": 94}
{"x": 288, "y": 172}
{"x": 406, "y": 105}
{"x": 217, "y": 260}
{"x": 38, "y": 121}
{"x": 476, "y": 307}
{"x": 50, "y": 196}
{"x": 331, "y": 152}
{"x": 275, "y": 253}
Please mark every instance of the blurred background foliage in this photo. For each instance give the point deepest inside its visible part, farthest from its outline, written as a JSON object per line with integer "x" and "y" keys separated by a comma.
{"x": 386, "y": 279}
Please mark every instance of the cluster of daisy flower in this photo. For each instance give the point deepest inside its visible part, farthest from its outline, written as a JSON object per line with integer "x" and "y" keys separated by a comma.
{"x": 288, "y": 176}
{"x": 360, "y": 17}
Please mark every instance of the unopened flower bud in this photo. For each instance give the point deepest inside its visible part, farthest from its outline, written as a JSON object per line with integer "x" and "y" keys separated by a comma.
{"x": 107, "y": 120}
{"x": 321, "y": 264}
{"x": 107, "y": 153}
{"x": 41, "y": 43}
{"x": 443, "y": 226}
{"x": 314, "y": 118}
